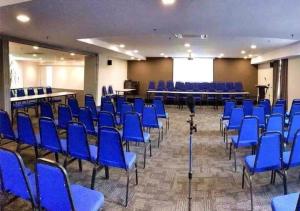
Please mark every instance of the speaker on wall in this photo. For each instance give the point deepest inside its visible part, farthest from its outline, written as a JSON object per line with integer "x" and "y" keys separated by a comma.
{"x": 109, "y": 62}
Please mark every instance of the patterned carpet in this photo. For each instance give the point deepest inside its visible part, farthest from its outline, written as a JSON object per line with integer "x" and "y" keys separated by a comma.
{"x": 163, "y": 185}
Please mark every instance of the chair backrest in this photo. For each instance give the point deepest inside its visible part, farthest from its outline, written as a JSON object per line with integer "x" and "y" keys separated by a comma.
{"x": 64, "y": 116}
{"x": 139, "y": 104}
{"x": 259, "y": 112}
{"x": 53, "y": 197}
{"x": 281, "y": 102}
{"x": 236, "y": 117}
{"x": 48, "y": 89}
{"x": 12, "y": 93}
{"x": 85, "y": 117}
{"x": 161, "y": 85}
{"x": 267, "y": 106}
{"x": 13, "y": 175}
{"x": 49, "y": 135}
{"x": 40, "y": 90}
{"x": 46, "y": 110}
{"x": 249, "y": 129}
{"x": 30, "y": 91}
{"x": 132, "y": 128}
{"x": 106, "y": 119}
{"x": 151, "y": 85}
{"x": 295, "y": 155}
{"x": 89, "y": 97}
{"x": 110, "y": 148}
{"x": 229, "y": 105}
{"x": 248, "y": 107}
{"x": 269, "y": 152}
{"x": 73, "y": 103}
{"x": 278, "y": 109}
{"x": 159, "y": 106}
{"x": 295, "y": 109}
{"x": 275, "y": 123}
{"x": 294, "y": 126}
{"x": 126, "y": 107}
{"x": 295, "y": 101}
{"x": 6, "y": 130}
{"x": 104, "y": 91}
{"x": 110, "y": 90}
{"x": 92, "y": 106}
{"x": 77, "y": 141}
{"x": 108, "y": 107}
{"x": 149, "y": 117}
{"x": 26, "y": 133}
{"x": 120, "y": 101}
{"x": 20, "y": 92}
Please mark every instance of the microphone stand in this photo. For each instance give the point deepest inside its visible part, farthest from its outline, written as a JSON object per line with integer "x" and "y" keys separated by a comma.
{"x": 193, "y": 128}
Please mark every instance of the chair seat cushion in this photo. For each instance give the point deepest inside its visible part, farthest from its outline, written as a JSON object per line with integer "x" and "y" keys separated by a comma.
{"x": 250, "y": 160}
{"x": 242, "y": 143}
{"x": 86, "y": 199}
{"x": 130, "y": 158}
{"x": 285, "y": 202}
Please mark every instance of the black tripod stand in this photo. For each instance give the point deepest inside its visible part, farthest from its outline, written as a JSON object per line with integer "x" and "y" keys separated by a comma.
{"x": 193, "y": 128}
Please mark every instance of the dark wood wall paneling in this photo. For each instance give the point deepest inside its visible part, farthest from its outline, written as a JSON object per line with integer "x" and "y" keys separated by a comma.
{"x": 224, "y": 70}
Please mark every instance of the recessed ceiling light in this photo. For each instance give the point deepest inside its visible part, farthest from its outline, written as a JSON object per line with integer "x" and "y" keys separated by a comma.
{"x": 72, "y": 54}
{"x": 250, "y": 55}
{"x": 122, "y": 46}
{"x": 135, "y": 51}
{"x": 23, "y": 18}
{"x": 168, "y": 2}
{"x": 139, "y": 59}
{"x": 187, "y": 45}
{"x": 166, "y": 56}
{"x": 221, "y": 55}
{"x": 162, "y": 54}
{"x": 253, "y": 46}
{"x": 35, "y": 47}
{"x": 245, "y": 57}
{"x": 34, "y": 55}
{"x": 243, "y": 52}
{"x": 132, "y": 57}
{"x": 189, "y": 51}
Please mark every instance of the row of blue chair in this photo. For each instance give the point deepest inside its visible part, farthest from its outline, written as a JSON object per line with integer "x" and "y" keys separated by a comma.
{"x": 107, "y": 91}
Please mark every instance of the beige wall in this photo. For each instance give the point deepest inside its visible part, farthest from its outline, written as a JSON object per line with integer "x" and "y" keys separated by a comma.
{"x": 293, "y": 79}
{"x": 114, "y": 74}
{"x": 265, "y": 77}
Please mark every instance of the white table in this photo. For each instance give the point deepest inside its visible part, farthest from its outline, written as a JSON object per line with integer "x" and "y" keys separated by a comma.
{"x": 43, "y": 96}
{"x": 118, "y": 91}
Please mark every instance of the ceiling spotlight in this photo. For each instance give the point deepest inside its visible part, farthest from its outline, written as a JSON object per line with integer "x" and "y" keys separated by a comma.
{"x": 203, "y": 36}
{"x": 132, "y": 57}
{"x": 72, "y": 54}
{"x": 189, "y": 51}
{"x": 221, "y": 55}
{"x": 122, "y": 46}
{"x": 135, "y": 51}
{"x": 250, "y": 55}
{"x": 253, "y": 46}
{"x": 162, "y": 54}
{"x": 187, "y": 45}
{"x": 34, "y": 55}
{"x": 168, "y": 2}
{"x": 243, "y": 52}
{"x": 35, "y": 47}
{"x": 139, "y": 59}
{"x": 23, "y": 18}
{"x": 178, "y": 36}
{"x": 166, "y": 56}
{"x": 245, "y": 57}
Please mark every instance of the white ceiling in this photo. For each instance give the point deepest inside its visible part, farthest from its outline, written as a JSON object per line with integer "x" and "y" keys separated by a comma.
{"x": 231, "y": 25}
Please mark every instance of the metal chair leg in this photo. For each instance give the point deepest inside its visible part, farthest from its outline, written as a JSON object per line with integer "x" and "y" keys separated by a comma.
{"x": 36, "y": 151}
{"x": 230, "y": 147}
{"x": 145, "y": 148}
{"x": 56, "y": 157}
{"x": 251, "y": 191}
{"x": 284, "y": 182}
{"x": 158, "y": 138}
{"x": 106, "y": 169}
{"x": 150, "y": 147}
{"x": 243, "y": 177}
{"x": 93, "y": 177}
{"x": 80, "y": 165}
{"x": 136, "y": 174}
{"x": 127, "y": 189}
{"x": 234, "y": 155}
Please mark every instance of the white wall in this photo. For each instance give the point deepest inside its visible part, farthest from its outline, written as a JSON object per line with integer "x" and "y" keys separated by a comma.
{"x": 114, "y": 74}
{"x": 265, "y": 77}
{"x": 293, "y": 79}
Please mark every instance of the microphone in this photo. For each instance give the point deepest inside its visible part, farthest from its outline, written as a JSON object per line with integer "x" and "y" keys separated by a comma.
{"x": 190, "y": 102}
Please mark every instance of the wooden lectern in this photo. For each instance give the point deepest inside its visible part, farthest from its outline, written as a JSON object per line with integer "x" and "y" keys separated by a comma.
{"x": 262, "y": 89}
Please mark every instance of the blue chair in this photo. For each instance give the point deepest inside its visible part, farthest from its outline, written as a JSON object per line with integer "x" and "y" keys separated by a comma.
{"x": 295, "y": 101}
{"x": 151, "y": 85}
{"x": 104, "y": 91}
{"x": 170, "y": 97}
{"x": 294, "y": 126}
{"x": 126, "y": 107}
{"x": 26, "y": 133}
{"x": 120, "y": 101}
{"x": 133, "y": 132}
{"x": 78, "y": 146}
{"x": 247, "y": 137}
{"x": 23, "y": 104}
{"x": 275, "y": 123}
{"x": 228, "y": 106}
{"x": 267, "y": 106}
{"x": 161, "y": 111}
{"x": 110, "y": 90}
{"x": 85, "y": 117}
{"x": 294, "y": 109}
{"x": 268, "y": 157}
{"x": 106, "y": 119}
{"x": 234, "y": 123}
{"x": 6, "y": 131}
{"x": 63, "y": 195}
{"x": 290, "y": 202}
{"x": 52, "y": 100}
{"x": 139, "y": 105}
{"x": 16, "y": 179}
{"x": 108, "y": 107}
{"x": 111, "y": 154}
{"x": 50, "y": 139}
{"x": 74, "y": 106}
{"x": 259, "y": 112}
{"x": 248, "y": 107}
{"x": 92, "y": 106}
{"x": 150, "y": 121}
{"x": 64, "y": 116}
{"x": 278, "y": 109}
{"x": 30, "y": 92}
{"x": 46, "y": 110}
{"x": 282, "y": 102}
{"x": 40, "y": 90}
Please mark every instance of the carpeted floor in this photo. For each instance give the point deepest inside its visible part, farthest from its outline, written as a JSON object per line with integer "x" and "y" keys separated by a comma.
{"x": 163, "y": 185}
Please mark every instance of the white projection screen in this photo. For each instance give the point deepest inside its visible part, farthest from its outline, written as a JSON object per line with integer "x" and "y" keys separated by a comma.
{"x": 196, "y": 70}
